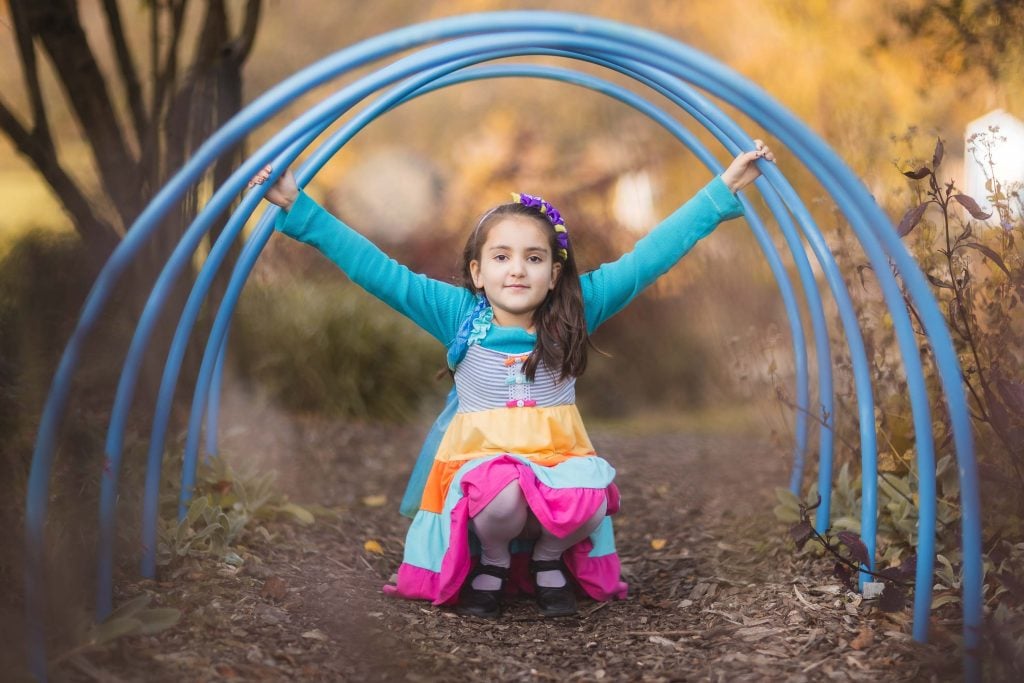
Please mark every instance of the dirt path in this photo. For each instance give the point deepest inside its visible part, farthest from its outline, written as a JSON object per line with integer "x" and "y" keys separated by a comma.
{"x": 723, "y": 599}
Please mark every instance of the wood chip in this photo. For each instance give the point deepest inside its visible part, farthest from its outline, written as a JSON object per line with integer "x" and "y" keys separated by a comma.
{"x": 315, "y": 634}
{"x": 803, "y": 600}
{"x": 755, "y": 633}
{"x": 663, "y": 641}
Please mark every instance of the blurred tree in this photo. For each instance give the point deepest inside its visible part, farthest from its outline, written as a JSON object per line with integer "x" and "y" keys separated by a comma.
{"x": 143, "y": 126}
{"x": 967, "y": 34}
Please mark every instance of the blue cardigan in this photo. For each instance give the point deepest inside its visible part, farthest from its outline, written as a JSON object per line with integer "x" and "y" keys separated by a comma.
{"x": 441, "y": 308}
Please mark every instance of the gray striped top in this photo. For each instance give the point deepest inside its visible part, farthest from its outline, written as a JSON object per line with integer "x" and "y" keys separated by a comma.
{"x": 487, "y": 379}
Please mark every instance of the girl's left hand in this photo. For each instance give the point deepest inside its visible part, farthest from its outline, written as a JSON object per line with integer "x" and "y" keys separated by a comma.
{"x": 743, "y": 170}
{"x": 283, "y": 193}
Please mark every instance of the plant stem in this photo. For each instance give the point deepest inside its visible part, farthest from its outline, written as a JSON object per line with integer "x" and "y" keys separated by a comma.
{"x": 817, "y": 418}
{"x": 964, "y": 316}
{"x": 853, "y": 565}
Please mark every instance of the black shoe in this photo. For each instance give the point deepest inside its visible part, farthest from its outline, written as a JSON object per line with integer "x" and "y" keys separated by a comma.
{"x": 482, "y": 603}
{"x": 554, "y": 602}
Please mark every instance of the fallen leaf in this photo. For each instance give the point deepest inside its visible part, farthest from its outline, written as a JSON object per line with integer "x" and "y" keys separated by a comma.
{"x": 274, "y": 588}
{"x": 226, "y": 671}
{"x": 658, "y": 543}
{"x": 375, "y": 501}
{"x": 864, "y": 639}
{"x": 233, "y": 559}
{"x": 285, "y": 657}
{"x": 115, "y": 628}
{"x": 373, "y": 546}
{"x": 887, "y": 462}
{"x": 157, "y": 619}
{"x": 298, "y": 512}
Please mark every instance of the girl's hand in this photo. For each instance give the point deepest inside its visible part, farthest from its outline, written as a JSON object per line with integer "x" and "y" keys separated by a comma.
{"x": 743, "y": 170}
{"x": 282, "y": 193}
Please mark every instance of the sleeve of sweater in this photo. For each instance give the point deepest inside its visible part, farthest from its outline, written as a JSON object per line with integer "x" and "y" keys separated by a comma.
{"x": 608, "y": 289}
{"x": 436, "y": 306}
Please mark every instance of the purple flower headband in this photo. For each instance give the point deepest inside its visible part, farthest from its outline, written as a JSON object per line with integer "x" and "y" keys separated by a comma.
{"x": 552, "y": 214}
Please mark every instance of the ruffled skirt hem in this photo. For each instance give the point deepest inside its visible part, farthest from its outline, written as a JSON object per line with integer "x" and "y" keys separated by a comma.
{"x": 559, "y": 507}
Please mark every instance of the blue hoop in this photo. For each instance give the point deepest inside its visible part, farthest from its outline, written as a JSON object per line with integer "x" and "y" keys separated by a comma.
{"x": 647, "y": 57}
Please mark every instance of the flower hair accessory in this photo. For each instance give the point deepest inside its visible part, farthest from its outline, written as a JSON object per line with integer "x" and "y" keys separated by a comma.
{"x": 552, "y": 214}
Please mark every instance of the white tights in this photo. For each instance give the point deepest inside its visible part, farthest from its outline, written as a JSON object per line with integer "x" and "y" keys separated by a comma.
{"x": 507, "y": 517}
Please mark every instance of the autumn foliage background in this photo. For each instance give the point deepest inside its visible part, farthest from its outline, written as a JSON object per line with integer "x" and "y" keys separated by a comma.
{"x": 706, "y": 349}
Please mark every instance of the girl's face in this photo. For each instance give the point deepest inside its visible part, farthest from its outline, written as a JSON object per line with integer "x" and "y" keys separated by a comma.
{"x": 516, "y": 270}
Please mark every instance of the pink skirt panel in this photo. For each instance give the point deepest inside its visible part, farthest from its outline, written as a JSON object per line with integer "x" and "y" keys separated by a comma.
{"x": 559, "y": 510}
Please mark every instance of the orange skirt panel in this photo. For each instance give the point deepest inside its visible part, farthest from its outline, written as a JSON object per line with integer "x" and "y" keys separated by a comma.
{"x": 546, "y": 436}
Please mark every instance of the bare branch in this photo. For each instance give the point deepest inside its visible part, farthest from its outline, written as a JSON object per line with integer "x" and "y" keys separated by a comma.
{"x": 95, "y": 232}
{"x": 30, "y": 71}
{"x": 154, "y": 52}
{"x": 165, "y": 78}
{"x": 19, "y": 135}
{"x": 133, "y": 90}
{"x": 242, "y": 45}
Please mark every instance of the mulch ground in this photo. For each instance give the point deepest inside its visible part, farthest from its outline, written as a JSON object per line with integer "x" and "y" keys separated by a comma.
{"x": 716, "y": 590}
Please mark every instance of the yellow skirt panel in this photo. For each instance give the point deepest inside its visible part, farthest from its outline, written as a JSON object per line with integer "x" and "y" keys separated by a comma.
{"x": 537, "y": 433}
{"x": 546, "y": 436}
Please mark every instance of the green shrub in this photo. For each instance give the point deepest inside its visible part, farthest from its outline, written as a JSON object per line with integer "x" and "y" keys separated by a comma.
{"x": 43, "y": 281}
{"x": 648, "y": 358}
{"x": 334, "y": 349}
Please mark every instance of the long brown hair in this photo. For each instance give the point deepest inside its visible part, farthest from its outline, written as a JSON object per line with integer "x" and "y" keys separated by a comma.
{"x": 562, "y": 337}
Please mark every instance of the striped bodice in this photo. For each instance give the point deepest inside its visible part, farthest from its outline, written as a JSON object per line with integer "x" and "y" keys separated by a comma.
{"x": 487, "y": 379}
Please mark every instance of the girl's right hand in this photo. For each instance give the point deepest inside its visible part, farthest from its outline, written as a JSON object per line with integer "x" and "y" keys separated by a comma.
{"x": 743, "y": 170}
{"x": 283, "y": 193}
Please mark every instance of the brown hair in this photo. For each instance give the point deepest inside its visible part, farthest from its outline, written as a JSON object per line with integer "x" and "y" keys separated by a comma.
{"x": 562, "y": 337}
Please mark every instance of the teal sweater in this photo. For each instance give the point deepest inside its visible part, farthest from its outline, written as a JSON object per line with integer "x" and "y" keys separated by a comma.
{"x": 440, "y": 308}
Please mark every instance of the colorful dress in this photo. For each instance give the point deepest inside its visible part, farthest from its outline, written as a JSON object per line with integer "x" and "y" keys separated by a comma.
{"x": 498, "y": 426}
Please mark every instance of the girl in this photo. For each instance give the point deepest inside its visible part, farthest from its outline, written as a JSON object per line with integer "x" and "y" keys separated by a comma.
{"x": 512, "y": 470}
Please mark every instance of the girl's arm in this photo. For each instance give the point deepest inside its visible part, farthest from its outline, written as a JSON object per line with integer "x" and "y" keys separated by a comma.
{"x": 607, "y": 290}
{"x": 435, "y": 306}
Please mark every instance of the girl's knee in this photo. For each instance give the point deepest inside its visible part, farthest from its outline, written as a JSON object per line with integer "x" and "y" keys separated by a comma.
{"x": 509, "y": 502}
{"x": 509, "y": 498}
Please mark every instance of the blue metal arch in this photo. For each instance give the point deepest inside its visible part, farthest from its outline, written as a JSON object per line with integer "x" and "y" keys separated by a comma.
{"x": 331, "y": 147}
{"x": 835, "y": 280}
{"x": 807, "y": 280}
{"x": 212, "y": 263}
{"x": 611, "y": 41}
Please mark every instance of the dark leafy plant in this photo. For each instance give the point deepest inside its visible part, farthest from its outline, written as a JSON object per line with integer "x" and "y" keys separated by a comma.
{"x": 979, "y": 303}
{"x": 970, "y": 252}
{"x": 855, "y": 559}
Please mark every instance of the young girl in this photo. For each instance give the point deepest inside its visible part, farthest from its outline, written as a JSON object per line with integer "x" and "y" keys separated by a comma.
{"x": 513, "y": 470}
